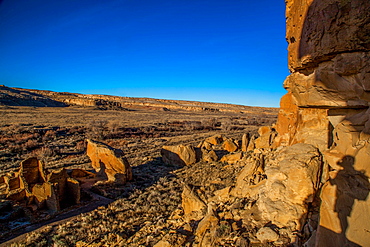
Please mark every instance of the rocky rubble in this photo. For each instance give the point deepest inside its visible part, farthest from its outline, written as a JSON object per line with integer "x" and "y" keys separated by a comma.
{"x": 258, "y": 197}
{"x": 268, "y": 198}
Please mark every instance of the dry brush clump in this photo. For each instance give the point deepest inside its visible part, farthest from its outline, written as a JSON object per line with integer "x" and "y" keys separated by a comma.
{"x": 48, "y": 143}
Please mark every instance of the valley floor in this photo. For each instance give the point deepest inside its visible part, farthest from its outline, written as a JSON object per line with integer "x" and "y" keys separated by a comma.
{"x": 143, "y": 209}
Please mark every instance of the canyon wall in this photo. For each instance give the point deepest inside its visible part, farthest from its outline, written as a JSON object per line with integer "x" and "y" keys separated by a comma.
{"x": 327, "y": 105}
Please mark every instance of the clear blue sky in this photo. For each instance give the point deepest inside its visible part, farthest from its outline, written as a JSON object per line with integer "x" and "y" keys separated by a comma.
{"x": 205, "y": 50}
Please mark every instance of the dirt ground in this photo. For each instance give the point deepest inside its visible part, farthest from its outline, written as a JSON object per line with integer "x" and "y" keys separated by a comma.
{"x": 57, "y": 136}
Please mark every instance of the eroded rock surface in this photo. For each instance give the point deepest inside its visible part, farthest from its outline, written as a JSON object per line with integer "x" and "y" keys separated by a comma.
{"x": 37, "y": 188}
{"x": 327, "y": 106}
{"x": 179, "y": 155}
{"x": 109, "y": 162}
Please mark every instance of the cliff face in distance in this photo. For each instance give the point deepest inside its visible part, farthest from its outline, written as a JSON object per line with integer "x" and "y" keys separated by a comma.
{"x": 327, "y": 105}
{"x": 41, "y": 98}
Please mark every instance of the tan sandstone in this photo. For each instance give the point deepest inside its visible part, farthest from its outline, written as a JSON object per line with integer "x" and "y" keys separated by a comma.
{"x": 109, "y": 162}
{"x": 33, "y": 185}
{"x": 194, "y": 208}
{"x": 180, "y": 155}
{"x": 229, "y": 145}
{"x": 327, "y": 106}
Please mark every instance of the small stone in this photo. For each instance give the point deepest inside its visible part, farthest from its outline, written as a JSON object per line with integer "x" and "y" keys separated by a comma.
{"x": 266, "y": 234}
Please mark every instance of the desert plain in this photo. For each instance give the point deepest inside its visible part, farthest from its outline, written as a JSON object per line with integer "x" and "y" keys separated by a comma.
{"x": 110, "y": 213}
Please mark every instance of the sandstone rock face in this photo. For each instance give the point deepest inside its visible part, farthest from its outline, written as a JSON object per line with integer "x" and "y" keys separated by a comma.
{"x": 180, "y": 155}
{"x": 292, "y": 180}
{"x": 327, "y": 106}
{"x": 194, "y": 207}
{"x": 109, "y": 162}
{"x": 283, "y": 188}
{"x": 317, "y": 30}
{"x": 266, "y": 137}
{"x": 32, "y": 185}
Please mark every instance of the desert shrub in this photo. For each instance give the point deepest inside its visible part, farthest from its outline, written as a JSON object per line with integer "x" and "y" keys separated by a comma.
{"x": 15, "y": 148}
{"x": 77, "y": 130}
{"x": 119, "y": 144}
{"x": 193, "y": 125}
{"x": 44, "y": 152}
{"x": 30, "y": 144}
{"x": 226, "y": 125}
{"x": 13, "y": 128}
{"x": 210, "y": 123}
{"x": 113, "y": 125}
{"x": 224, "y": 228}
{"x": 5, "y": 139}
{"x": 96, "y": 129}
{"x": 80, "y": 146}
{"x": 49, "y": 135}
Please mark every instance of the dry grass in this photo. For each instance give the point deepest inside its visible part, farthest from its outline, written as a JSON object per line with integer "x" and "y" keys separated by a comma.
{"x": 57, "y": 134}
{"x": 140, "y": 215}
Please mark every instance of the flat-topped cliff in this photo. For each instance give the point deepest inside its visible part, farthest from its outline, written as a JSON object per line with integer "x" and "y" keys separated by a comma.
{"x": 31, "y": 97}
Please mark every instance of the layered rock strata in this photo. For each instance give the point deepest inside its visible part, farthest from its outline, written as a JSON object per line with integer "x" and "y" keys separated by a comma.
{"x": 327, "y": 106}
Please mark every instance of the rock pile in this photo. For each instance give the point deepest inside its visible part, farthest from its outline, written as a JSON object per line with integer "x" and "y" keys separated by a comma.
{"x": 216, "y": 148}
{"x": 327, "y": 105}
{"x": 270, "y": 193}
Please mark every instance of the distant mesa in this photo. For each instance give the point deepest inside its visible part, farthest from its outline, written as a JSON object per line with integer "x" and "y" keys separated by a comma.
{"x": 43, "y": 98}
{"x": 19, "y": 97}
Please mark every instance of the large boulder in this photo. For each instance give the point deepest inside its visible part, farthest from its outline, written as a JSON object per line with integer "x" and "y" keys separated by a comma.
{"x": 194, "y": 208}
{"x": 109, "y": 162}
{"x": 215, "y": 140}
{"x": 293, "y": 178}
{"x": 181, "y": 155}
{"x": 245, "y": 142}
{"x": 281, "y": 184}
{"x": 229, "y": 145}
{"x": 232, "y": 158}
{"x": 266, "y": 137}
